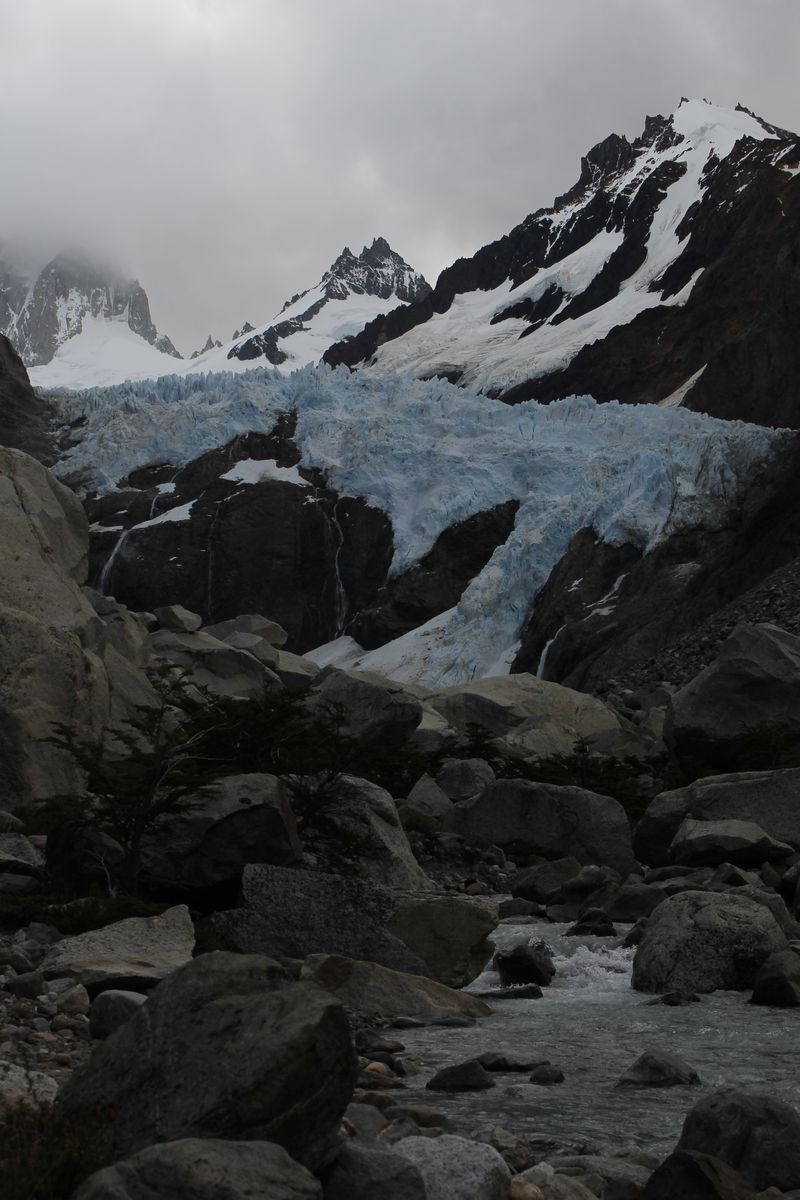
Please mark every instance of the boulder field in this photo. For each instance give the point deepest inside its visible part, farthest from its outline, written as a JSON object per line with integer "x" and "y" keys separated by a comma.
{"x": 321, "y": 863}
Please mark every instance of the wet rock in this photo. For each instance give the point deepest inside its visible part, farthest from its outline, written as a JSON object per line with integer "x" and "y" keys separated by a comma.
{"x": 243, "y": 1046}
{"x": 467, "y": 1076}
{"x": 676, "y": 999}
{"x": 700, "y": 941}
{"x": 592, "y": 923}
{"x": 657, "y": 1068}
{"x": 515, "y": 1151}
{"x": 777, "y": 983}
{"x": 494, "y": 1061}
{"x": 203, "y": 1169}
{"x": 525, "y": 963}
{"x": 546, "y": 1074}
{"x": 756, "y": 1135}
{"x": 522, "y": 991}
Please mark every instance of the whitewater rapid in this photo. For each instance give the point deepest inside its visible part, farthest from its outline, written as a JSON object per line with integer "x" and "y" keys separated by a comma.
{"x": 592, "y": 1025}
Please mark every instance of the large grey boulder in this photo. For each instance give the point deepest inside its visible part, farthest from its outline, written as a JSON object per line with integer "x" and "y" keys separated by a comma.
{"x": 754, "y": 680}
{"x": 456, "y": 1169}
{"x": 204, "y": 1169}
{"x": 757, "y": 1135}
{"x": 552, "y": 820}
{"x": 770, "y": 796}
{"x": 658, "y": 1068}
{"x": 249, "y": 623}
{"x": 224, "y": 1048}
{"x": 233, "y": 821}
{"x": 777, "y": 983}
{"x": 691, "y": 1175}
{"x": 212, "y": 664}
{"x": 292, "y": 913}
{"x": 366, "y": 830}
{"x": 709, "y": 843}
{"x": 375, "y": 991}
{"x": 536, "y": 718}
{"x": 449, "y": 933}
{"x": 133, "y": 954}
{"x": 701, "y": 941}
{"x": 111, "y": 1009}
{"x": 373, "y": 709}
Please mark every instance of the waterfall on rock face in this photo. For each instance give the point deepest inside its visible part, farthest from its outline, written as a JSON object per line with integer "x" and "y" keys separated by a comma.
{"x": 543, "y": 655}
{"x": 104, "y": 583}
{"x": 592, "y": 1025}
{"x": 341, "y": 603}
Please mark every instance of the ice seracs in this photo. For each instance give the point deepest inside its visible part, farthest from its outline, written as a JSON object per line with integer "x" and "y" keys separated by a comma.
{"x": 429, "y": 455}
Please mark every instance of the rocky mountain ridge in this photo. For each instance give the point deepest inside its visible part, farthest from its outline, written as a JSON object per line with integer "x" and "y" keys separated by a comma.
{"x": 42, "y": 310}
{"x": 666, "y": 275}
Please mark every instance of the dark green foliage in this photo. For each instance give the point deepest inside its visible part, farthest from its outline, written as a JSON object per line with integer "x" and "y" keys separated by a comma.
{"x": 75, "y": 916}
{"x": 45, "y": 1156}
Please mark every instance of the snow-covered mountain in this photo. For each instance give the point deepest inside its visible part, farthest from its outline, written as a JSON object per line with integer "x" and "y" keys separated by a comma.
{"x": 71, "y": 312}
{"x": 413, "y": 524}
{"x": 665, "y": 275}
{"x": 351, "y": 293}
{"x": 91, "y": 333}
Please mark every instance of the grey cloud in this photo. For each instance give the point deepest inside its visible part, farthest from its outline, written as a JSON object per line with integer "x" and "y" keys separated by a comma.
{"x": 225, "y": 150}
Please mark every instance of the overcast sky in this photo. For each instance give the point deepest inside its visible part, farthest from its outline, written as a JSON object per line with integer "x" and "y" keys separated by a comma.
{"x": 224, "y": 151}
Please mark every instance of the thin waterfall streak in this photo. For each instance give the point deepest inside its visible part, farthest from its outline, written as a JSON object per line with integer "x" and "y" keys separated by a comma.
{"x": 105, "y": 574}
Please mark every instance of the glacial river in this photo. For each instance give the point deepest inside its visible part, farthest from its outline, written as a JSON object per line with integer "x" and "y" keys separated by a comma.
{"x": 592, "y": 1025}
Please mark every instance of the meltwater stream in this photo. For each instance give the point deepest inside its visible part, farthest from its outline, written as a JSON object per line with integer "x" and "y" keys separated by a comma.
{"x": 592, "y": 1025}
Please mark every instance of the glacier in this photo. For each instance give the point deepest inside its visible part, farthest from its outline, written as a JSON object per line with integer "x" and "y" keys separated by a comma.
{"x": 430, "y": 454}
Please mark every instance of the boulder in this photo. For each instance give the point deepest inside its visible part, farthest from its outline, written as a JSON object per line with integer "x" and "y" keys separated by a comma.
{"x": 135, "y": 953}
{"x": 223, "y": 1048}
{"x": 366, "y": 830}
{"x": 461, "y": 778}
{"x": 771, "y": 795}
{"x": 293, "y": 913}
{"x": 177, "y": 618}
{"x": 701, "y": 941}
{"x": 111, "y": 1009}
{"x": 756, "y": 1135}
{"x": 212, "y": 664}
{"x": 777, "y": 982}
{"x": 533, "y": 716}
{"x": 19, "y": 856}
{"x": 456, "y": 1169}
{"x": 657, "y": 1068}
{"x": 374, "y": 991}
{"x": 694, "y": 1176}
{"x": 203, "y": 1169}
{"x": 754, "y": 680}
{"x": 251, "y": 623}
{"x": 23, "y": 1083}
{"x": 525, "y": 963}
{"x": 427, "y": 797}
{"x": 363, "y": 1172}
{"x": 537, "y": 883}
{"x": 374, "y": 710}
{"x": 552, "y": 820}
{"x": 295, "y": 672}
{"x": 743, "y": 843}
{"x": 449, "y": 933}
{"x": 233, "y": 821}
{"x": 469, "y": 1076}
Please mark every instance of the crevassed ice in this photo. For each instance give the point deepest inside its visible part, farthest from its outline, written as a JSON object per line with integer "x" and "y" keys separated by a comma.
{"x": 430, "y": 454}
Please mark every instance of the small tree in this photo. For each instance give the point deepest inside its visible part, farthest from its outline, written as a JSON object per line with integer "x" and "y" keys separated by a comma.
{"x": 150, "y": 767}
